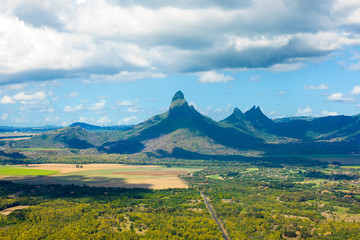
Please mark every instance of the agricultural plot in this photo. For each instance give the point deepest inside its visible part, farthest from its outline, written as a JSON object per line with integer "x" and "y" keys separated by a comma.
{"x": 101, "y": 175}
{"x": 4, "y": 170}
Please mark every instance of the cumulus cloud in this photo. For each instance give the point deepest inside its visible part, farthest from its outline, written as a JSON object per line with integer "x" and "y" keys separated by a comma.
{"x": 74, "y": 108}
{"x": 213, "y": 77}
{"x": 47, "y": 110}
{"x": 338, "y": 97}
{"x": 104, "y": 120}
{"x": 6, "y": 100}
{"x": 304, "y": 111}
{"x": 22, "y": 96}
{"x": 128, "y": 120}
{"x": 98, "y": 105}
{"x": 322, "y": 86}
{"x": 128, "y": 103}
{"x": 355, "y": 90}
{"x": 130, "y": 40}
{"x": 73, "y": 95}
{"x": 327, "y": 113}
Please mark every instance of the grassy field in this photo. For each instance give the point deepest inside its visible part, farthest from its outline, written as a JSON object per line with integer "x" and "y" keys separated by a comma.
{"x": 217, "y": 177}
{"x": 351, "y": 167}
{"x": 351, "y": 159}
{"x": 107, "y": 175}
{"x": 5, "y": 170}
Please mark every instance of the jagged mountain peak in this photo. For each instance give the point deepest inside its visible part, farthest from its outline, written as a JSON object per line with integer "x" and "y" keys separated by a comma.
{"x": 254, "y": 112}
{"x": 237, "y": 111}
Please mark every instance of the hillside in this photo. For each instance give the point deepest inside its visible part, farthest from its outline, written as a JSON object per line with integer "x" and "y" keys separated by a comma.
{"x": 184, "y": 130}
{"x": 70, "y": 137}
{"x": 165, "y": 128}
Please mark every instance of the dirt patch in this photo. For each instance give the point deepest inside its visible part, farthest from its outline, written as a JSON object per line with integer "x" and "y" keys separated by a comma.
{"x": 10, "y": 210}
{"x": 152, "y": 183}
{"x": 152, "y": 173}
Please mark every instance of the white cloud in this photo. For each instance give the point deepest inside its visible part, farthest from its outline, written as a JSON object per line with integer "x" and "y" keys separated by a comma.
{"x": 4, "y": 117}
{"x": 63, "y": 39}
{"x": 16, "y": 86}
{"x": 22, "y": 96}
{"x": 128, "y": 103}
{"x": 355, "y": 90}
{"x": 52, "y": 119}
{"x": 6, "y": 100}
{"x": 99, "y": 105}
{"x": 133, "y": 109}
{"x": 242, "y": 44}
{"x": 304, "y": 111}
{"x": 124, "y": 76}
{"x": 255, "y": 79}
{"x": 73, "y": 109}
{"x": 83, "y": 119}
{"x": 104, "y": 120}
{"x": 322, "y": 86}
{"x": 73, "y": 95}
{"x": 338, "y": 97}
{"x": 354, "y": 66}
{"x": 281, "y": 93}
{"x": 128, "y": 120}
{"x": 327, "y": 113}
{"x": 213, "y": 77}
{"x": 285, "y": 67}
{"x": 47, "y": 110}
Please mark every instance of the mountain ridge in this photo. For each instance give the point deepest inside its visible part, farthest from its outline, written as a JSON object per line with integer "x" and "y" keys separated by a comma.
{"x": 185, "y": 130}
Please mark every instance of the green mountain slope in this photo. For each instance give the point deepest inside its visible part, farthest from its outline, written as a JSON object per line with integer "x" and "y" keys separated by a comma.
{"x": 69, "y": 137}
{"x": 181, "y": 116}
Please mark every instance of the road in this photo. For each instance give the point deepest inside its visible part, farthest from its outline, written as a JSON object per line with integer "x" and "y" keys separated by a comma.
{"x": 211, "y": 210}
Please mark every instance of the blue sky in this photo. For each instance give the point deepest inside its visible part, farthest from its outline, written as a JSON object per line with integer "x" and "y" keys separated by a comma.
{"x": 110, "y": 62}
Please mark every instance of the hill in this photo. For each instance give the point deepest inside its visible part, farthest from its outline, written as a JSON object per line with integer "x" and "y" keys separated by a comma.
{"x": 183, "y": 127}
{"x": 182, "y": 130}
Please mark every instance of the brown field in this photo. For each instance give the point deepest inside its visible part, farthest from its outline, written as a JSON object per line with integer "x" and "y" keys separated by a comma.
{"x": 152, "y": 173}
{"x": 7, "y": 211}
{"x": 107, "y": 175}
{"x": 66, "y": 168}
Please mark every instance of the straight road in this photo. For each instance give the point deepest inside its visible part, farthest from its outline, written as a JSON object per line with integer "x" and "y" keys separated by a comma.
{"x": 211, "y": 210}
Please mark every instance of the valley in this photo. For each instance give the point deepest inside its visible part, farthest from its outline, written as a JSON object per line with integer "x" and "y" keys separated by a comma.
{"x": 182, "y": 175}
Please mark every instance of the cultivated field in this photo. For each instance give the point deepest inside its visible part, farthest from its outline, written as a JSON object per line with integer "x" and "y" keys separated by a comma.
{"x": 106, "y": 175}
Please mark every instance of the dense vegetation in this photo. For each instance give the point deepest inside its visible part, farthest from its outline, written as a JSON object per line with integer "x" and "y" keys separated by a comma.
{"x": 71, "y": 212}
{"x": 252, "y": 202}
{"x": 273, "y": 203}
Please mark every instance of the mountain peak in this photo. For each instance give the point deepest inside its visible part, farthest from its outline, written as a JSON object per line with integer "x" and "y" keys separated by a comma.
{"x": 237, "y": 111}
{"x": 179, "y": 106}
{"x": 178, "y": 100}
{"x": 255, "y": 113}
{"x": 178, "y": 96}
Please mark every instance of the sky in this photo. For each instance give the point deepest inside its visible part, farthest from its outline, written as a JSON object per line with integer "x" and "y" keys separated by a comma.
{"x": 119, "y": 62}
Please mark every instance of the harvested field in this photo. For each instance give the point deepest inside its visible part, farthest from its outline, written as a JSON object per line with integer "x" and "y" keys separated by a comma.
{"x": 152, "y": 173}
{"x": 66, "y": 168}
{"x": 107, "y": 175}
{"x": 10, "y": 210}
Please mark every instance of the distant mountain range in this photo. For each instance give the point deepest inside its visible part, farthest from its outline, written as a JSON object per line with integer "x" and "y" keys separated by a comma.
{"x": 184, "y": 131}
